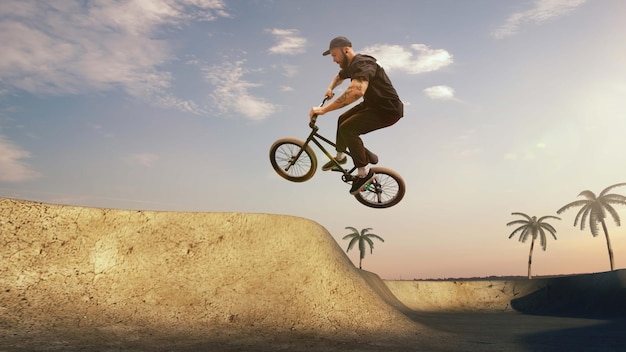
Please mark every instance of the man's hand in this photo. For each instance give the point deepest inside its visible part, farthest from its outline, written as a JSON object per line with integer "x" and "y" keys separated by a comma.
{"x": 316, "y": 110}
{"x": 329, "y": 93}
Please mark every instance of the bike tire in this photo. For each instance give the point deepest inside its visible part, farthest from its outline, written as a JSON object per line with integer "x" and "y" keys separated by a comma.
{"x": 387, "y": 189}
{"x": 282, "y": 155}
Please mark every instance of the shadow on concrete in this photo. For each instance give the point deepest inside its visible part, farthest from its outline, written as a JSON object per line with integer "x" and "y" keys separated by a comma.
{"x": 569, "y": 313}
{"x": 606, "y": 336}
{"x": 517, "y": 332}
{"x": 598, "y": 296}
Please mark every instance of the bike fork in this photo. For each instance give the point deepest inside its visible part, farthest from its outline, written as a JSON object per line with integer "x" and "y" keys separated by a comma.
{"x": 294, "y": 158}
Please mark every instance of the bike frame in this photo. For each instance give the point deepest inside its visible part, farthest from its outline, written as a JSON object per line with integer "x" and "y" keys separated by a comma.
{"x": 314, "y": 136}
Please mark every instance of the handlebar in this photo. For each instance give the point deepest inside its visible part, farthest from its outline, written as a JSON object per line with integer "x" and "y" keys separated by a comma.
{"x": 314, "y": 118}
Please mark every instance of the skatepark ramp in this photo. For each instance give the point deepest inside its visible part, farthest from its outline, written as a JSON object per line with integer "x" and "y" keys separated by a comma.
{"x": 599, "y": 295}
{"x": 125, "y": 273}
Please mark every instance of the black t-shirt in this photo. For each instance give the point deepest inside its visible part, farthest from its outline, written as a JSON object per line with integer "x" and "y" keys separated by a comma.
{"x": 380, "y": 94}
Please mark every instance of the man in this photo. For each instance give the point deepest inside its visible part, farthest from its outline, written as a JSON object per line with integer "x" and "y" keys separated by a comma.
{"x": 381, "y": 107}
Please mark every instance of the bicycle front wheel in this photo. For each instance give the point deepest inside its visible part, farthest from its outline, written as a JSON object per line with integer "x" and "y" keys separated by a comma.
{"x": 292, "y": 161}
{"x": 386, "y": 190}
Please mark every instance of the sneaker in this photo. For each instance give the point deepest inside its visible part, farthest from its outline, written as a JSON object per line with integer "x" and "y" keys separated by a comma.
{"x": 331, "y": 166}
{"x": 359, "y": 182}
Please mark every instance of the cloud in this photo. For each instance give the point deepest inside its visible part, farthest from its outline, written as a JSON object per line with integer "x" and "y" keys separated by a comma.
{"x": 290, "y": 70}
{"x": 542, "y": 11}
{"x": 232, "y": 94}
{"x": 287, "y": 42}
{"x": 440, "y": 93}
{"x": 69, "y": 47}
{"x": 418, "y": 58}
{"x": 142, "y": 159}
{"x": 510, "y": 156}
{"x": 529, "y": 154}
{"x": 12, "y": 168}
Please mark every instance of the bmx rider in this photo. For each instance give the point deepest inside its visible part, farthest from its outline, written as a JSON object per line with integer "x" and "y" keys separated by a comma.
{"x": 381, "y": 107}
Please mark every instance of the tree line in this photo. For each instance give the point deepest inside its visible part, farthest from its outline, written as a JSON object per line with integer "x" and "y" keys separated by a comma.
{"x": 594, "y": 211}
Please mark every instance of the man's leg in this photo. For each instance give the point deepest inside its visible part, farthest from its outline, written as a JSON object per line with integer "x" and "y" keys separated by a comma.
{"x": 341, "y": 146}
{"x": 340, "y": 141}
{"x": 350, "y": 128}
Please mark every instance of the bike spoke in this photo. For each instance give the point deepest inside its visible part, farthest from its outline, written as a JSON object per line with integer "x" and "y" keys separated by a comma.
{"x": 291, "y": 161}
{"x": 286, "y": 160}
{"x": 382, "y": 191}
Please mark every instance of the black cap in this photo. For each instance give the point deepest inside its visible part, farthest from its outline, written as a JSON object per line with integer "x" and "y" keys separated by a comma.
{"x": 338, "y": 42}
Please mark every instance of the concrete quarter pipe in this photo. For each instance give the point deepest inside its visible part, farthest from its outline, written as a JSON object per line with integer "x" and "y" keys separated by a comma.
{"x": 122, "y": 277}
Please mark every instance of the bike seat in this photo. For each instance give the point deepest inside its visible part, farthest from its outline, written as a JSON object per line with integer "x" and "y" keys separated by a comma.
{"x": 371, "y": 157}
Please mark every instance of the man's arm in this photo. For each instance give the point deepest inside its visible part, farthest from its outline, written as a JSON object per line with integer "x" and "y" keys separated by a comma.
{"x": 333, "y": 84}
{"x": 355, "y": 91}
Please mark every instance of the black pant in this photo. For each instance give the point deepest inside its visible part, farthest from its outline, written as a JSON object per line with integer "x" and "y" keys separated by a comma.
{"x": 355, "y": 122}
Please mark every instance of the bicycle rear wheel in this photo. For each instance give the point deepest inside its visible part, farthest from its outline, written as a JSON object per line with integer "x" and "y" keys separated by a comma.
{"x": 385, "y": 191}
{"x": 291, "y": 161}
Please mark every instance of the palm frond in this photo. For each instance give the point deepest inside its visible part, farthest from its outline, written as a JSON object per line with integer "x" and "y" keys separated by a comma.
{"x": 614, "y": 198}
{"x": 371, "y": 235}
{"x": 575, "y": 203}
{"x": 585, "y": 211}
{"x": 352, "y": 243}
{"x": 349, "y": 236}
{"x": 353, "y": 229}
{"x": 370, "y": 243}
{"x": 548, "y": 227}
{"x": 593, "y": 223}
{"x": 520, "y": 221}
{"x": 543, "y": 240}
{"x": 517, "y": 229}
{"x": 606, "y": 190}
{"x": 522, "y": 214}
{"x": 587, "y": 194}
{"x": 524, "y": 235}
{"x": 598, "y": 208}
{"x": 363, "y": 231}
{"x": 613, "y": 213}
{"x": 541, "y": 219}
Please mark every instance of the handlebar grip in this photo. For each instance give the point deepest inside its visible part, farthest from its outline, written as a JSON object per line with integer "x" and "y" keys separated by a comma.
{"x": 313, "y": 120}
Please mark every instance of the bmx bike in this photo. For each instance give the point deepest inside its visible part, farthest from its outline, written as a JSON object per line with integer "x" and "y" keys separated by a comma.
{"x": 296, "y": 161}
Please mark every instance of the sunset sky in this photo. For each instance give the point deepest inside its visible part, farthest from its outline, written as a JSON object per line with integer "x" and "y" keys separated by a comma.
{"x": 510, "y": 106}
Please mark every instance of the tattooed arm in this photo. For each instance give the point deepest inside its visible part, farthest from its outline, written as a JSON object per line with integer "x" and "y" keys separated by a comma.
{"x": 354, "y": 92}
{"x": 334, "y": 84}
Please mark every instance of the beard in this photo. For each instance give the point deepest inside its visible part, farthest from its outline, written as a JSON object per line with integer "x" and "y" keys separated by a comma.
{"x": 344, "y": 61}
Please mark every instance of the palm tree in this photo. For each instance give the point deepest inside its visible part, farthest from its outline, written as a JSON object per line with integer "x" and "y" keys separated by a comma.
{"x": 596, "y": 208}
{"x": 362, "y": 237}
{"x": 533, "y": 227}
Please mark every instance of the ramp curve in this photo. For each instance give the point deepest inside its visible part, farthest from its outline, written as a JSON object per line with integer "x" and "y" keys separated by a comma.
{"x": 133, "y": 274}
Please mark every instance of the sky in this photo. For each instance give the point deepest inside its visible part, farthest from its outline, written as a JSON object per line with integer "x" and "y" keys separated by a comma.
{"x": 172, "y": 105}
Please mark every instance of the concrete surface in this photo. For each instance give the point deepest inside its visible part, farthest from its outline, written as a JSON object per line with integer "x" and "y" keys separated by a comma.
{"x": 600, "y": 295}
{"x": 222, "y": 276}
{"x": 86, "y": 279}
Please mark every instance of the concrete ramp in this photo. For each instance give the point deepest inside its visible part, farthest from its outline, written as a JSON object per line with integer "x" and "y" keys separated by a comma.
{"x": 126, "y": 275}
{"x": 600, "y": 295}
{"x": 462, "y": 295}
